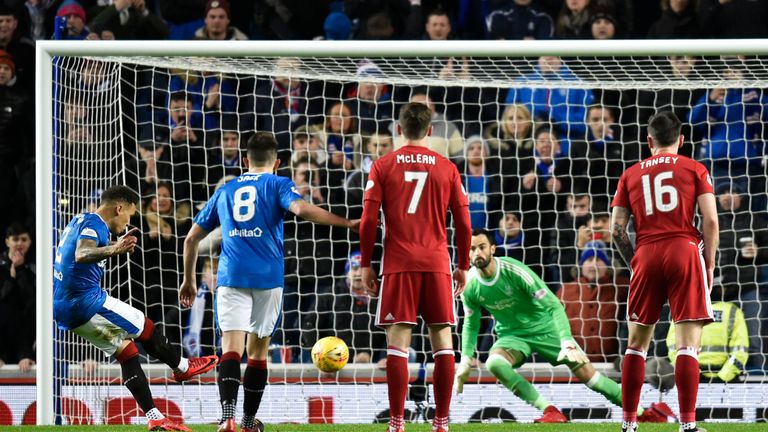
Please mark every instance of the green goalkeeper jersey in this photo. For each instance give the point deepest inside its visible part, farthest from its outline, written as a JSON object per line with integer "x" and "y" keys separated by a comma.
{"x": 521, "y": 304}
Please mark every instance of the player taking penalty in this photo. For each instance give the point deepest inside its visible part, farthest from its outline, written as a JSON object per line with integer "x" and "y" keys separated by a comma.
{"x": 80, "y": 305}
{"x": 529, "y": 318}
{"x": 250, "y": 210}
{"x": 662, "y": 193}
{"x": 415, "y": 187}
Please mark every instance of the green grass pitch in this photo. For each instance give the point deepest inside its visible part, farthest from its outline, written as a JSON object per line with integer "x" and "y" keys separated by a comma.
{"x": 507, "y": 427}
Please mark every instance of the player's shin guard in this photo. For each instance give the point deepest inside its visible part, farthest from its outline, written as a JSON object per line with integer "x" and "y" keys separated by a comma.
{"x": 134, "y": 378}
{"x": 254, "y": 381}
{"x": 687, "y": 382}
{"x": 606, "y": 387}
{"x": 156, "y": 344}
{"x": 397, "y": 384}
{"x": 445, "y": 367}
{"x": 502, "y": 369}
{"x": 229, "y": 383}
{"x": 632, "y": 378}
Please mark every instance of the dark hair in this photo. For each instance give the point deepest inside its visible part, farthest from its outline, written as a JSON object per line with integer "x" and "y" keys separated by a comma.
{"x": 16, "y": 229}
{"x": 262, "y": 148}
{"x": 664, "y": 128}
{"x": 438, "y": 11}
{"x": 415, "y": 119}
{"x": 482, "y": 231}
{"x": 546, "y": 128}
{"x": 179, "y": 96}
{"x": 119, "y": 194}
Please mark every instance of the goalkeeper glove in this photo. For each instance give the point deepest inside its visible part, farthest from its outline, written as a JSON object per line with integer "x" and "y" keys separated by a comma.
{"x": 462, "y": 374}
{"x": 570, "y": 350}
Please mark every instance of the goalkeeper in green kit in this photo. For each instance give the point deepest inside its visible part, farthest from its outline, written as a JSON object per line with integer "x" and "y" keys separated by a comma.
{"x": 529, "y": 318}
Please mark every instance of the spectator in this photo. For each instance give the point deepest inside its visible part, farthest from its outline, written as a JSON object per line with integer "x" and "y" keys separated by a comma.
{"x": 184, "y": 17}
{"x": 155, "y": 162}
{"x": 17, "y": 298}
{"x": 482, "y": 182}
{"x": 573, "y": 20}
{"x": 731, "y": 122}
{"x": 128, "y": 19}
{"x": 212, "y": 95}
{"x": 446, "y": 139}
{"x": 200, "y": 332}
{"x": 603, "y": 25}
{"x": 353, "y": 318}
{"x": 339, "y": 133}
{"x": 564, "y": 108}
{"x": 513, "y": 242}
{"x": 373, "y": 104}
{"x": 734, "y": 18}
{"x": 563, "y": 246}
{"x": 217, "y": 20}
{"x": 75, "y": 15}
{"x": 375, "y": 147}
{"x": 513, "y": 134}
{"x": 724, "y": 344}
{"x": 19, "y": 47}
{"x": 520, "y": 21}
{"x": 595, "y": 303}
{"x": 183, "y": 121}
{"x": 743, "y": 251}
{"x": 337, "y": 26}
{"x": 307, "y": 145}
{"x": 597, "y": 161}
{"x": 678, "y": 21}
{"x": 225, "y": 160}
{"x": 438, "y": 26}
{"x": 38, "y": 13}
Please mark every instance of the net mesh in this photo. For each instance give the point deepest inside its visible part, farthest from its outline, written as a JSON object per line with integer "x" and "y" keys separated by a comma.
{"x": 172, "y": 128}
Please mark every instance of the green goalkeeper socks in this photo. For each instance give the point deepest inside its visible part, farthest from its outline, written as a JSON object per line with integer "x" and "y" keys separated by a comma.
{"x": 606, "y": 387}
{"x": 504, "y": 372}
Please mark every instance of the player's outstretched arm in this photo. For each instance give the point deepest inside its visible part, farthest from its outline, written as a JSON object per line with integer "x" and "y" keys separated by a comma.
{"x": 710, "y": 227}
{"x": 188, "y": 288}
{"x": 88, "y": 251}
{"x": 619, "y": 222}
{"x": 316, "y": 214}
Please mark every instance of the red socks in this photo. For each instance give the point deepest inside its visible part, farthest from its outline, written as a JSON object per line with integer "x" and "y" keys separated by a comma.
{"x": 687, "y": 382}
{"x": 442, "y": 380}
{"x": 397, "y": 382}
{"x": 632, "y": 378}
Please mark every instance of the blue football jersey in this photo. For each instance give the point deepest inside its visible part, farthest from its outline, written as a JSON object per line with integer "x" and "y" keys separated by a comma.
{"x": 250, "y": 210}
{"x": 77, "y": 292}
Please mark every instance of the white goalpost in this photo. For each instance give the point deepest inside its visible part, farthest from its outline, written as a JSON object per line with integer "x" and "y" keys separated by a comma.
{"x": 112, "y": 112}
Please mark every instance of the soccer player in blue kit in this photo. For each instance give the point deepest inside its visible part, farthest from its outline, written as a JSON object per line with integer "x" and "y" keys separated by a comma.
{"x": 83, "y": 307}
{"x": 250, "y": 210}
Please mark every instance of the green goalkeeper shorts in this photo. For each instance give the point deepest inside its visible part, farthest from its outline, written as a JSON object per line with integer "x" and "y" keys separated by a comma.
{"x": 546, "y": 345}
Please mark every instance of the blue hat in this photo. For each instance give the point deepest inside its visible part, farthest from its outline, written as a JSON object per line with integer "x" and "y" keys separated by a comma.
{"x": 594, "y": 248}
{"x": 337, "y": 26}
{"x": 353, "y": 261}
{"x": 368, "y": 68}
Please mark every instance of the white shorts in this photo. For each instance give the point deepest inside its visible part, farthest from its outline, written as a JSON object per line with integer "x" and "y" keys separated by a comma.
{"x": 113, "y": 323}
{"x": 250, "y": 310}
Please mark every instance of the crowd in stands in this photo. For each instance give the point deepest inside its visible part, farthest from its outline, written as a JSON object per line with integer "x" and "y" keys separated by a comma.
{"x": 539, "y": 165}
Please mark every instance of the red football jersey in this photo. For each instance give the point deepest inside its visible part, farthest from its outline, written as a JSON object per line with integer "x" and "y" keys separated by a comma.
{"x": 415, "y": 187}
{"x": 661, "y": 192}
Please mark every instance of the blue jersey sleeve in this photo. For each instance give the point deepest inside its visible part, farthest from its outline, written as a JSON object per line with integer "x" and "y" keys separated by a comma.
{"x": 94, "y": 230}
{"x": 208, "y": 218}
{"x": 288, "y": 193}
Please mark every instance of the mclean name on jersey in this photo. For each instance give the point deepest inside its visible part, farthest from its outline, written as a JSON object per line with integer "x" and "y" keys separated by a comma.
{"x": 416, "y": 158}
{"x": 658, "y": 161}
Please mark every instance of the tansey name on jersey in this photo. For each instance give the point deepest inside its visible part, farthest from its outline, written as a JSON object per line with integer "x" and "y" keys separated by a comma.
{"x": 658, "y": 161}
{"x": 416, "y": 158}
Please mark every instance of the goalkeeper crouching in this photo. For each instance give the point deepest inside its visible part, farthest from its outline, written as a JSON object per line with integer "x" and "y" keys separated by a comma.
{"x": 529, "y": 318}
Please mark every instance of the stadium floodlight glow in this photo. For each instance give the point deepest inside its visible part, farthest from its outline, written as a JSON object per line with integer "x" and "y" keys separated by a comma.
{"x": 71, "y": 166}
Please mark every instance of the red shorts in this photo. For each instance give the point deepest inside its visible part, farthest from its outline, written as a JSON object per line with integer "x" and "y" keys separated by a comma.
{"x": 670, "y": 269}
{"x": 406, "y": 295}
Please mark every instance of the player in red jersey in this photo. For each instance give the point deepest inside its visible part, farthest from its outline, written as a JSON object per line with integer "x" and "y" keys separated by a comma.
{"x": 662, "y": 192}
{"x": 414, "y": 187}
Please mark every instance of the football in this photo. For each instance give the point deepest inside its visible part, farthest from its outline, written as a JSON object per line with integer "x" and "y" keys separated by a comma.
{"x": 330, "y": 354}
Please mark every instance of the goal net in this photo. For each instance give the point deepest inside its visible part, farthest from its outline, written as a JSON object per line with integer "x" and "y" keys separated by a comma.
{"x": 540, "y": 134}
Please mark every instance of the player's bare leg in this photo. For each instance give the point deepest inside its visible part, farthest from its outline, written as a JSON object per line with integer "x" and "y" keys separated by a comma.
{"x": 442, "y": 378}
{"x": 633, "y": 372}
{"x": 136, "y": 382}
{"x": 688, "y": 338}
{"x": 398, "y": 341}
{"x": 254, "y": 381}
{"x": 232, "y": 347}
